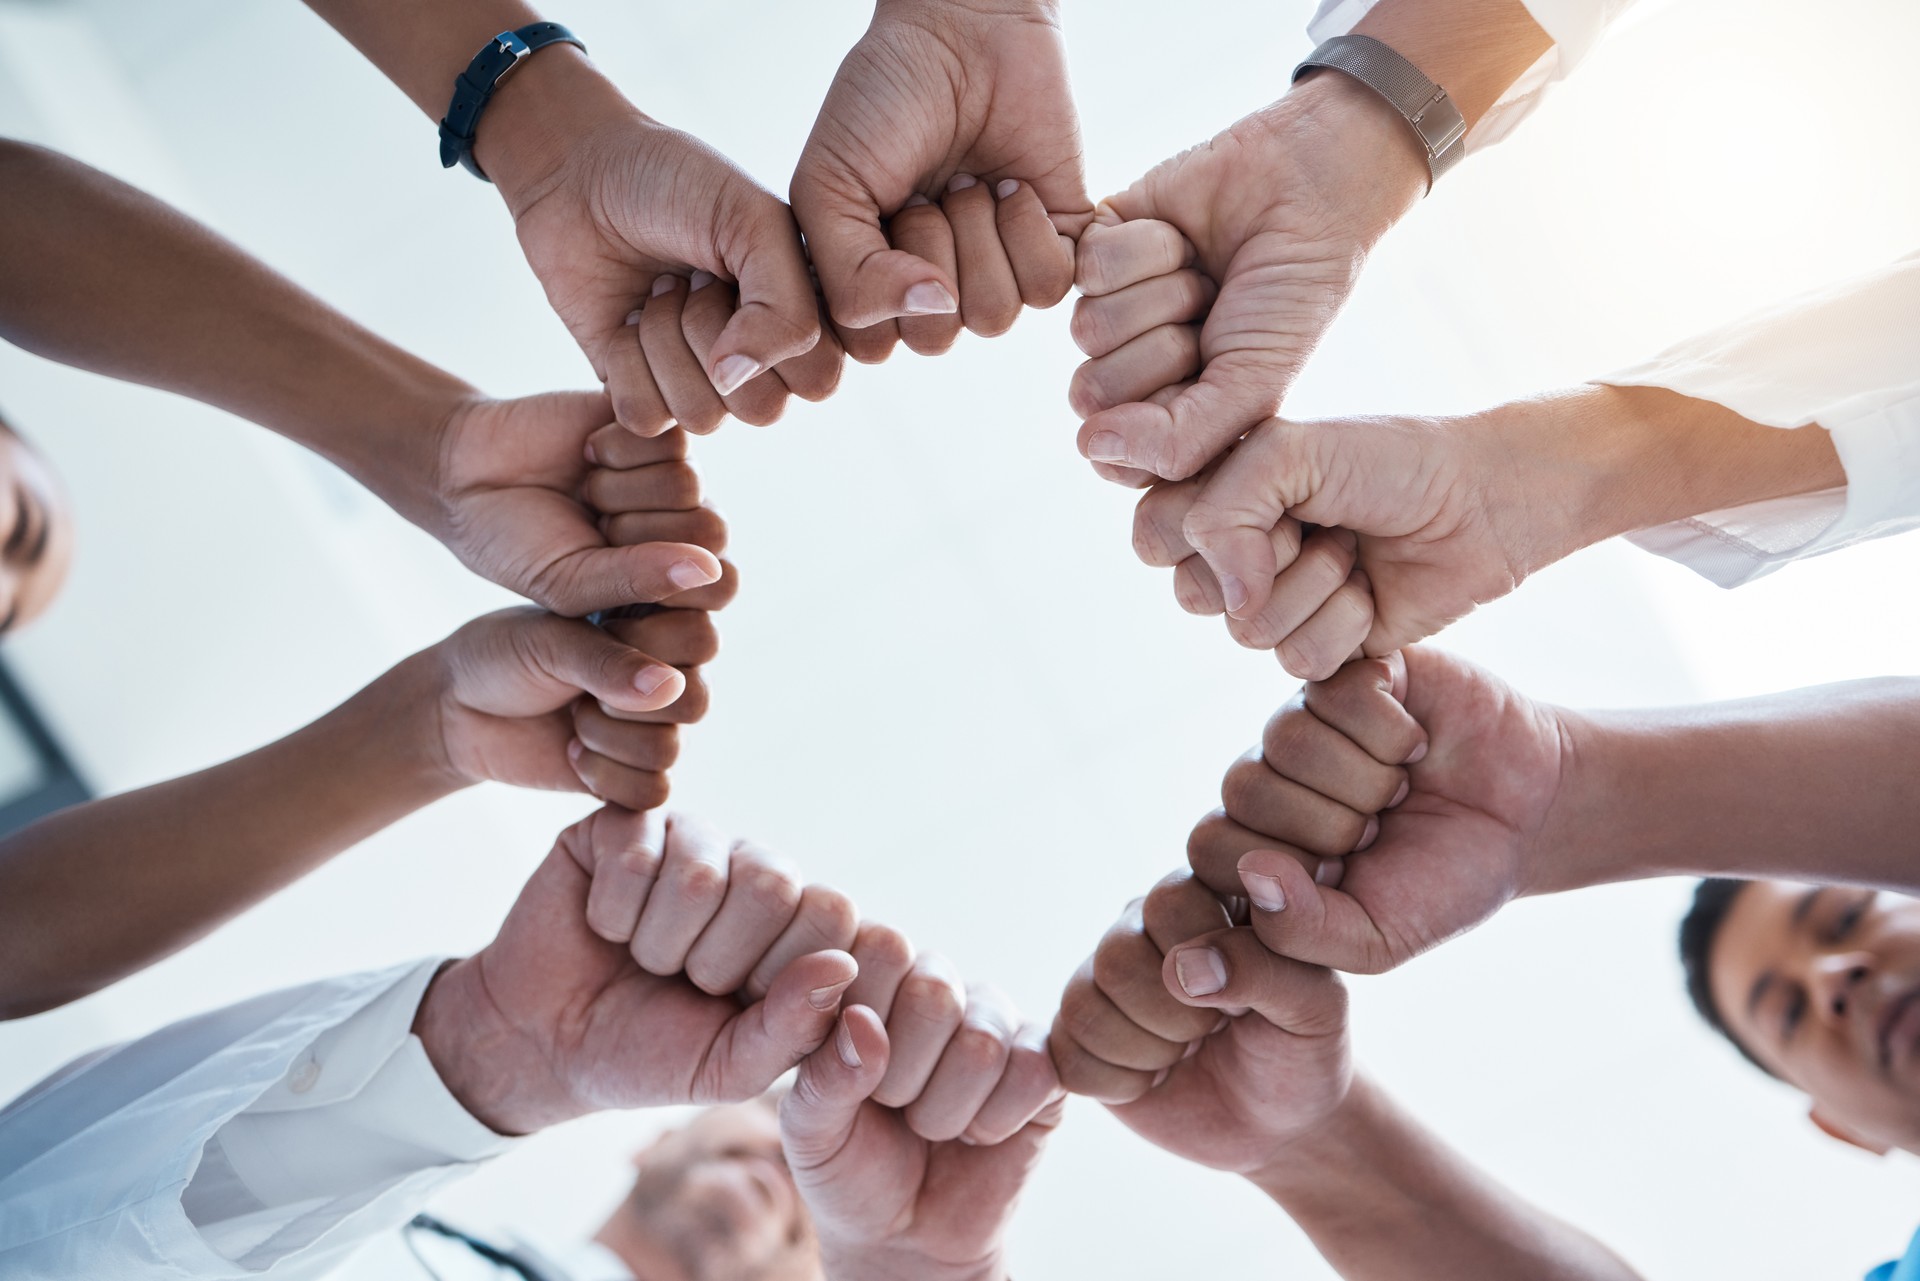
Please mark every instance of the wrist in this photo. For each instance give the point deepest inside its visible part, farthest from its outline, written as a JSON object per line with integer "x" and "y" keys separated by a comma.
{"x": 1474, "y": 49}
{"x": 540, "y": 117}
{"x": 1322, "y": 1155}
{"x": 1586, "y": 838}
{"x": 1363, "y": 162}
{"x": 485, "y": 1063}
{"x": 413, "y": 696}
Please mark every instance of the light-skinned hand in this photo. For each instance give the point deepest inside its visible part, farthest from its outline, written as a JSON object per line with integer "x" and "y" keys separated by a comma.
{"x": 948, "y": 100}
{"x": 551, "y": 1021}
{"x": 926, "y": 1191}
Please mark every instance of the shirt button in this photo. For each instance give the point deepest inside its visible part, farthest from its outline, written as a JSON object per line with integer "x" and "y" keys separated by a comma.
{"x": 304, "y": 1074}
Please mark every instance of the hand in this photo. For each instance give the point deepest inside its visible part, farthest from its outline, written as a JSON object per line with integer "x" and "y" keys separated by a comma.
{"x": 1419, "y": 785}
{"x": 953, "y": 96}
{"x": 1420, "y": 521}
{"x": 550, "y": 1021}
{"x": 505, "y": 497}
{"x": 926, "y": 1192}
{"x": 616, "y": 212}
{"x": 1200, "y": 1039}
{"x": 502, "y": 694}
{"x": 1280, "y": 211}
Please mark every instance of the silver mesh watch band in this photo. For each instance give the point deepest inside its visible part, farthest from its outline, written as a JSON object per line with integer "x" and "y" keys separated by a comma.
{"x": 1441, "y": 127}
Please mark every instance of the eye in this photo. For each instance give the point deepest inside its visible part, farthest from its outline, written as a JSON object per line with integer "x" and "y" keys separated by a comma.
{"x": 17, "y": 537}
{"x": 1849, "y": 919}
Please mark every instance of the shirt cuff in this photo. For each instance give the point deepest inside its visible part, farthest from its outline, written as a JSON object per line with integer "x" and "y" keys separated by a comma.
{"x": 358, "y": 1110}
{"x": 1574, "y": 26}
{"x": 1839, "y": 358}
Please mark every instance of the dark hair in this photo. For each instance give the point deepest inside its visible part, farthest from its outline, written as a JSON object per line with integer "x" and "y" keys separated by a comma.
{"x": 1712, "y": 900}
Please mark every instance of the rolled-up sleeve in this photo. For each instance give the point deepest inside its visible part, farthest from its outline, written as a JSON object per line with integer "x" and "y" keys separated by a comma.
{"x": 1845, "y": 358}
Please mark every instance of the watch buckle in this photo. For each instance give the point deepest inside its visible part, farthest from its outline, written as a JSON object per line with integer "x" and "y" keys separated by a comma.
{"x": 513, "y": 44}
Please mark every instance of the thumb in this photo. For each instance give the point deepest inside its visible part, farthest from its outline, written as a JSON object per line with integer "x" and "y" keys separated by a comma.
{"x": 1232, "y": 970}
{"x": 1177, "y": 439}
{"x": 777, "y": 317}
{"x": 1231, "y": 520}
{"x": 866, "y": 281}
{"x": 1295, "y": 916}
{"x": 818, "y": 1114}
{"x": 603, "y": 577}
{"x": 578, "y": 655}
{"x": 767, "y": 1038}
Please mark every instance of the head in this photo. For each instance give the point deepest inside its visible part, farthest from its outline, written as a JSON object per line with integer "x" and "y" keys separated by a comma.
{"x": 713, "y": 1199}
{"x": 36, "y": 533}
{"x": 1820, "y": 987}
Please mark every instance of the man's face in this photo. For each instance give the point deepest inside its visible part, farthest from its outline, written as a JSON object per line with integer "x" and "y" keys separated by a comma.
{"x": 36, "y": 533}
{"x": 1822, "y": 984}
{"x": 714, "y": 1199}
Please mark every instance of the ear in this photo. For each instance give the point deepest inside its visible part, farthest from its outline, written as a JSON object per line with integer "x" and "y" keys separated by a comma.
{"x": 1834, "y": 1130}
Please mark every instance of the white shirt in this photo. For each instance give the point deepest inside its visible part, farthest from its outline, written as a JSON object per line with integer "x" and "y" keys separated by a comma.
{"x": 270, "y": 1138}
{"x": 1846, "y": 358}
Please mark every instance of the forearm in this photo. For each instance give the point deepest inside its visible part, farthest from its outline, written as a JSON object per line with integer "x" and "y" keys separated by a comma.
{"x": 106, "y": 278}
{"x": 1383, "y": 1198}
{"x": 1814, "y": 784}
{"x": 1596, "y": 461}
{"x": 98, "y": 891}
{"x": 537, "y": 112}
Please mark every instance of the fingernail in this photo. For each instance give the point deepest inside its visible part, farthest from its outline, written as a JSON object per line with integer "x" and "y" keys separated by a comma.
{"x": 915, "y": 201}
{"x": 843, "y": 1042}
{"x": 1419, "y": 753}
{"x": 1406, "y": 785}
{"x": 961, "y": 181}
{"x": 1107, "y": 447}
{"x": 661, "y": 284}
{"x": 1201, "y": 971}
{"x": 1366, "y": 837}
{"x": 733, "y": 372}
{"x": 651, "y": 677}
{"x": 699, "y": 280}
{"x": 1264, "y": 891}
{"x": 688, "y": 574}
{"x": 592, "y": 457}
{"x": 1329, "y": 872}
{"x": 972, "y": 1143}
{"x": 1006, "y": 188}
{"x": 574, "y": 748}
{"x": 1234, "y": 592}
{"x": 930, "y": 299}
{"x": 633, "y": 317}
{"x": 822, "y": 998}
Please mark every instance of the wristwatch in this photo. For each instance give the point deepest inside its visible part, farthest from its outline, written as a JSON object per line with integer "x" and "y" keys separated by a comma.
{"x": 1441, "y": 127}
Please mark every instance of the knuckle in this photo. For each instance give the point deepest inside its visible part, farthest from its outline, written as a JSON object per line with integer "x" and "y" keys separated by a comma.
{"x": 1091, "y": 329}
{"x": 831, "y": 913}
{"x": 884, "y": 946}
{"x": 928, "y": 997}
{"x": 1246, "y": 779}
{"x": 699, "y": 882}
{"x": 768, "y": 888}
{"x": 1290, "y": 735}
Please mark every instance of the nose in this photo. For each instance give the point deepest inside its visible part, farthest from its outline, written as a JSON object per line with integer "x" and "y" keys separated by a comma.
{"x": 1836, "y": 980}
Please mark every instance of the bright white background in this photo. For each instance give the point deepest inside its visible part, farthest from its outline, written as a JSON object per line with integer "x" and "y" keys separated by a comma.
{"x": 948, "y": 686}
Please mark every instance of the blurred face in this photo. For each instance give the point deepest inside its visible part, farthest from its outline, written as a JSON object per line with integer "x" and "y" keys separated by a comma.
{"x": 36, "y": 534}
{"x": 714, "y": 1200}
{"x": 1822, "y": 984}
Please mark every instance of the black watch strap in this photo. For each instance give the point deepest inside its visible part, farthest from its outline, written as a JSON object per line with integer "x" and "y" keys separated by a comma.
{"x": 474, "y": 86}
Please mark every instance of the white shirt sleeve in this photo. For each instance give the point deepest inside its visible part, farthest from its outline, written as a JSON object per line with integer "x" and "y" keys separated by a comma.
{"x": 267, "y": 1139}
{"x": 1846, "y": 358}
{"x": 1574, "y": 26}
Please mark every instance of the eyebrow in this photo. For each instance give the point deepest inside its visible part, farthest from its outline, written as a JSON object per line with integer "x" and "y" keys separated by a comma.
{"x": 1805, "y": 905}
{"x": 1759, "y": 991}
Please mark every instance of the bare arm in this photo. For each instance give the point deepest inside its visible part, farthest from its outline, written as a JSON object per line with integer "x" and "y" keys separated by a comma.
{"x": 1813, "y": 784}
{"x": 1384, "y": 1198}
{"x": 106, "y": 278}
{"x": 97, "y": 891}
